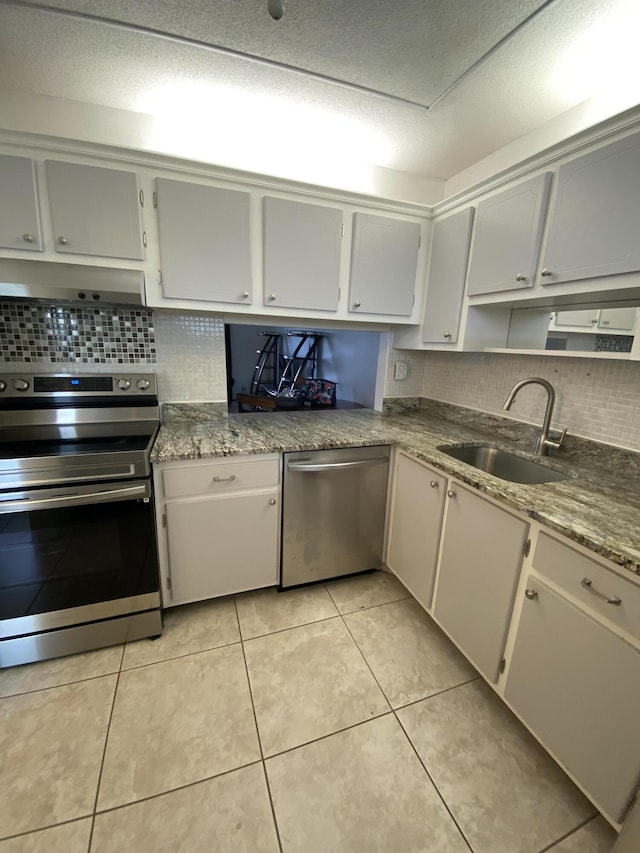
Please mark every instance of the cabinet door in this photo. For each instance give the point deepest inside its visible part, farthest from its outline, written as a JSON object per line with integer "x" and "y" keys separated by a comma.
{"x": 507, "y": 237}
{"x": 617, "y": 319}
{"x": 447, "y": 270}
{"x": 94, "y": 211}
{"x": 482, "y": 553}
{"x": 595, "y": 219}
{"x": 219, "y": 546}
{"x": 583, "y": 318}
{"x": 384, "y": 262}
{"x": 19, "y": 220}
{"x": 577, "y": 685}
{"x": 205, "y": 242}
{"x": 414, "y": 535}
{"x": 302, "y": 247}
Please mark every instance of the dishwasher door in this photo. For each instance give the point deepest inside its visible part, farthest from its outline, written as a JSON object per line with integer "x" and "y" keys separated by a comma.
{"x": 333, "y": 513}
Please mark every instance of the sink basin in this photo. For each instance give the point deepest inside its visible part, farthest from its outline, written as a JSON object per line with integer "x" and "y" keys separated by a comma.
{"x": 506, "y": 466}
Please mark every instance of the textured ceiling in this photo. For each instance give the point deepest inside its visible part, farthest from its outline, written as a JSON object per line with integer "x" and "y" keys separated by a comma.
{"x": 435, "y": 85}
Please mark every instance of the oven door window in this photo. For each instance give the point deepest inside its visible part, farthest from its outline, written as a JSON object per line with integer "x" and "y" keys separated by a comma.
{"x": 67, "y": 548}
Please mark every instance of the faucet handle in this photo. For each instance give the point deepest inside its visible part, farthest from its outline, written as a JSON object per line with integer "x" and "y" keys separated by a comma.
{"x": 556, "y": 443}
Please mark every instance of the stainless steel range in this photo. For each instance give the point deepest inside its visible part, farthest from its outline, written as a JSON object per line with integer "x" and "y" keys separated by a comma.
{"x": 78, "y": 560}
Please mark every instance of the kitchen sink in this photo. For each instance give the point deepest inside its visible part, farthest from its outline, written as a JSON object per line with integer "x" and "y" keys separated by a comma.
{"x": 506, "y": 466}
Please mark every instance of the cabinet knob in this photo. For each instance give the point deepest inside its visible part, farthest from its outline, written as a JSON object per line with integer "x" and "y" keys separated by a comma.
{"x": 531, "y": 594}
{"x": 272, "y": 296}
{"x": 356, "y": 304}
{"x": 521, "y": 277}
{"x": 546, "y": 272}
{"x": 28, "y": 238}
{"x": 272, "y": 501}
{"x": 63, "y": 241}
{"x": 245, "y": 294}
{"x": 434, "y": 484}
{"x": 446, "y": 335}
{"x": 451, "y": 493}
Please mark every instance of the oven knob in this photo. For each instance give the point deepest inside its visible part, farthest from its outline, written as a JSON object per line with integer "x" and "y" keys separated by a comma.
{"x": 3, "y": 385}
{"x": 21, "y": 384}
{"x": 142, "y": 384}
{"x": 123, "y": 384}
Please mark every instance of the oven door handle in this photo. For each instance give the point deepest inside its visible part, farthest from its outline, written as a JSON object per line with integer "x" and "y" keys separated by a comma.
{"x": 76, "y": 499}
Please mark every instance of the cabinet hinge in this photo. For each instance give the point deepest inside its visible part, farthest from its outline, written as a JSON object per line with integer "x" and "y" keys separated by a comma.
{"x": 168, "y": 580}
{"x": 342, "y": 230}
{"x": 155, "y": 199}
{"x": 527, "y": 547}
{"x": 413, "y": 301}
{"x": 164, "y": 519}
{"x": 503, "y": 665}
{"x": 339, "y": 293}
{"x": 144, "y": 239}
{"x": 141, "y": 198}
{"x": 419, "y": 240}
{"x": 159, "y": 276}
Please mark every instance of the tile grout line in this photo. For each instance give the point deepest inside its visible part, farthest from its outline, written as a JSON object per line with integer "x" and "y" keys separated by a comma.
{"x": 173, "y": 790}
{"x": 45, "y": 828}
{"x": 104, "y": 753}
{"x": 437, "y": 790}
{"x": 393, "y": 711}
{"x": 255, "y": 720}
{"x": 570, "y": 833}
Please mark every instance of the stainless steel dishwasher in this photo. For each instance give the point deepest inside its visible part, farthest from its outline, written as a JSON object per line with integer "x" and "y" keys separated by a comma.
{"x": 333, "y": 513}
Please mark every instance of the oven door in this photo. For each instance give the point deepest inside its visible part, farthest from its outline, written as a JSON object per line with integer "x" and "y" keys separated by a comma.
{"x": 76, "y": 554}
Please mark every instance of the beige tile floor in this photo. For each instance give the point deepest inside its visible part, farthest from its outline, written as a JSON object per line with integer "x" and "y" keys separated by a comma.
{"x": 335, "y": 718}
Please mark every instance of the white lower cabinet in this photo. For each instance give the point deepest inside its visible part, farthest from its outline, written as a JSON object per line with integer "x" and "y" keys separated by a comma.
{"x": 480, "y": 560}
{"x": 416, "y": 522}
{"x": 577, "y": 685}
{"x": 219, "y": 526}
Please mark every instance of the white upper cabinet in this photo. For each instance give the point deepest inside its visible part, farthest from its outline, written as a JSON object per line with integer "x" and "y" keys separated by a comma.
{"x": 94, "y": 211}
{"x": 205, "y": 242}
{"x": 507, "y": 237}
{"x": 618, "y": 319}
{"x": 384, "y": 262}
{"x": 302, "y": 249}
{"x": 19, "y": 219}
{"x": 445, "y": 284}
{"x": 595, "y": 219}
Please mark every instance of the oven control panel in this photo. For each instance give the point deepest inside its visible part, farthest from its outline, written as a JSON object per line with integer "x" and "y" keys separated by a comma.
{"x": 56, "y": 385}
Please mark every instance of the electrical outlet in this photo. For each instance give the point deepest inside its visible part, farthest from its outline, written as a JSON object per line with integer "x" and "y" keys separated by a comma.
{"x": 400, "y": 370}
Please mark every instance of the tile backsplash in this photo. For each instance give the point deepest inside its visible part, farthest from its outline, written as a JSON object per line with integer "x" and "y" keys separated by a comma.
{"x": 597, "y": 399}
{"x": 32, "y": 332}
{"x": 185, "y": 349}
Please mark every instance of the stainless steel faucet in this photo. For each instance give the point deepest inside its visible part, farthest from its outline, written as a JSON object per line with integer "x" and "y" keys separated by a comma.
{"x": 544, "y": 441}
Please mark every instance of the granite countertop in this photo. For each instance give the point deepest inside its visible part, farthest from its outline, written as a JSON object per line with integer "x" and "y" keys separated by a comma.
{"x": 598, "y": 508}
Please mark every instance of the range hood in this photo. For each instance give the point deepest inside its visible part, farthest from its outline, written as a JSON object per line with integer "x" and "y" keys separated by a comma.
{"x": 26, "y": 279}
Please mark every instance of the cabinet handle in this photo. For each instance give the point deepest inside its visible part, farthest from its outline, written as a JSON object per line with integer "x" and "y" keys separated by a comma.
{"x": 531, "y": 594}
{"x": 546, "y": 272}
{"x": 521, "y": 277}
{"x": 28, "y": 238}
{"x": 224, "y": 479}
{"x": 451, "y": 494}
{"x": 356, "y": 304}
{"x": 272, "y": 296}
{"x": 585, "y": 583}
{"x": 63, "y": 241}
{"x": 434, "y": 484}
{"x": 272, "y": 501}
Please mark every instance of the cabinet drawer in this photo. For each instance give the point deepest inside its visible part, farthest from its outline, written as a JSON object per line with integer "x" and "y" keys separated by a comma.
{"x": 223, "y": 477}
{"x": 568, "y": 569}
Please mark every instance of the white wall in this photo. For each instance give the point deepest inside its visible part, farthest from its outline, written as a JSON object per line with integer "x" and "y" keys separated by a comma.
{"x": 597, "y": 399}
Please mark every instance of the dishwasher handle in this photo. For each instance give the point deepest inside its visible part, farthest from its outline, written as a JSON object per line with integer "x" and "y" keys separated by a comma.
{"x": 333, "y": 466}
